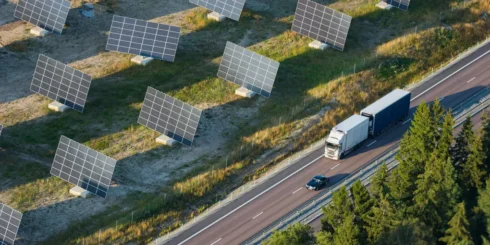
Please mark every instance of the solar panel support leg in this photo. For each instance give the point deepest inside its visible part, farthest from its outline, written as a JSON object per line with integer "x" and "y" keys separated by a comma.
{"x": 141, "y": 60}
{"x": 216, "y": 16}
{"x": 163, "y": 139}
{"x": 79, "y": 192}
{"x": 318, "y": 45}
{"x": 245, "y": 92}
{"x": 57, "y": 106}
{"x": 383, "y": 5}
{"x": 39, "y": 32}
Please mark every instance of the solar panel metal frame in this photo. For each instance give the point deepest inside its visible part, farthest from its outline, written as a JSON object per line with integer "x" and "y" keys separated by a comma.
{"x": 401, "y": 4}
{"x": 9, "y": 224}
{"x": 246, "y": 68}
{"x": 48, "y": 14}
{"x": 83, "y": 167}
{"x": 321, "y": 23}
{"x": 229, "y": 8}
{"x": 61, "y": 83}
{"x": 140, "y": 37}
{"x": 169, "y": 116}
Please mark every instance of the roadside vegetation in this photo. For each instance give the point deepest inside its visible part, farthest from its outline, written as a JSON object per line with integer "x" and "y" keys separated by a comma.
{"x": 385, "y": 50}
{"x": 438, "y": 194}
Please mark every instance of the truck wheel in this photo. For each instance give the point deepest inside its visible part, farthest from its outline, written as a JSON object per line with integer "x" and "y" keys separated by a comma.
{"x": 341, "y": 156}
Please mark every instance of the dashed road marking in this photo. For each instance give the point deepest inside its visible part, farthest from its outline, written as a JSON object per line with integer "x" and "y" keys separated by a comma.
{"x": 371, "y": 143}
{"x": 297, "y": 190}
{"x": 257, "y": 215}
{"x": 407, "y": 121}
{"x": 216, "y": 241}
{"x": 335, "y": 166}
{"x": 471, "y": 80}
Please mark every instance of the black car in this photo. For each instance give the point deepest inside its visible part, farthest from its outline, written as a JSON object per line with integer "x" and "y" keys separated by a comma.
{"x": 317, "y": 183}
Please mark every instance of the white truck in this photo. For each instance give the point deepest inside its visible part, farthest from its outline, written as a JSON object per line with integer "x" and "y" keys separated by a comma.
{"x": 346, "y": 137}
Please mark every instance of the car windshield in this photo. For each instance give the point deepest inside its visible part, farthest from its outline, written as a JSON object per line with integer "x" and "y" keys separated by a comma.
{"x": 317, "y": 179}
{"x": 330, "y": 145}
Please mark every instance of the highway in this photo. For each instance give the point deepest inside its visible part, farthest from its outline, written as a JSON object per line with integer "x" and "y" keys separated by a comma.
{"x": 268, "y": 202}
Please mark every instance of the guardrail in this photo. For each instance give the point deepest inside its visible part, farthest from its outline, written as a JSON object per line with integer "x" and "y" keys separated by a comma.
{"x": 311, "y": 209}
{"x": 293, "y": 159}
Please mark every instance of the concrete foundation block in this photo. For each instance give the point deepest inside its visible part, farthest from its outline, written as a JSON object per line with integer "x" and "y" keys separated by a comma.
{"x": 141, "y": 60}
{"x": 216, "y": 16}
{"x": 57, "y": 106}
{"x": 383, "y": 5}
{"x": 245, "y": 92}
{"x": 318, "y": 45}
{"x": 39, "y": 32}
{"x": 165, "y": 140}
{"x": 79, "y": 192}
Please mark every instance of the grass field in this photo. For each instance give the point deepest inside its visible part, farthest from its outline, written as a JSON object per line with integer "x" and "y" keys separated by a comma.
{"x": 384, "y": 50}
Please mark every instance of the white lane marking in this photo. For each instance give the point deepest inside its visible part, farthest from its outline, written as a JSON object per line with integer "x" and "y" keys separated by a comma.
{"x": 407, "y": 121}
{"x": 371, "y": 143}
{"x": 216, "y": 241}
{"x": 250, "y": 200}
{"x": 471, "y": 80}
{"x": 257, "y": 215}
{"x": 452, "y": 74}
{"x": 297, "y": 190}
{"x": 335, "y": 166}
{"x": 440, "y": 99}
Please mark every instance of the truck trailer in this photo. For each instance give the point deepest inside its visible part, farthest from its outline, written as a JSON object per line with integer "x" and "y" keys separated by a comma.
{"x": 387, "y": 111}
{"x": 374, "y": 119}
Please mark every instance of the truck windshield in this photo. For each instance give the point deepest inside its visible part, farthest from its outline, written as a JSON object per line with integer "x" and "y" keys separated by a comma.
{"x": 332, "y": 146}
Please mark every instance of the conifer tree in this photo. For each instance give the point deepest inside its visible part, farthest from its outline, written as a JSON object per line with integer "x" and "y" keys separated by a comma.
{"x": 381, "y": 220}
{"x": 461, "y": 149}
{"x": 347, "y": 233}
{"x": 378, "y": 183}
{"x": 486, "y": 140}
{"x": 484, "y": 206}
{"x": 338, "y": 210}
{"x": 415, "y": 150}
{"x": 437, "y": 114}
{"x": 324, "y": 238}
{"x": 363, "y": 203}
{"x": 297, "y": 234}
{"x": 473, "y": 173}
{"x": 458, "y": 231}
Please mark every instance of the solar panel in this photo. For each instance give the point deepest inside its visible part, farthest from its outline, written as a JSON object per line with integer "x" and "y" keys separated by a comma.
{"x": 143, "y": 38}
{"x": 47, "y": 14}
{"x": 401, "y": 4}
{"x": 9, "y": 224}
{"x": 229, "y": 8}
{"x": 82, "y": 166}
{"x": 321, "y": 23}
{"x": 61, "y": 83}
{"x": 169, "y": 116}
{"x": 248, "y": 69}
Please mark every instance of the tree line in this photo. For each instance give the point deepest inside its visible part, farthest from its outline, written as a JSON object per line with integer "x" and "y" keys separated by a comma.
{"x": 438, "y": 194}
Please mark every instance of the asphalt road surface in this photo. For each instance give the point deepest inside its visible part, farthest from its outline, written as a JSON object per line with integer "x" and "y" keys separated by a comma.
{"x": 268, "y": 202}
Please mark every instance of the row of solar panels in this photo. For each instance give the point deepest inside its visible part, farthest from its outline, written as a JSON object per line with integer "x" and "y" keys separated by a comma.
{"x": 91, "y": 170}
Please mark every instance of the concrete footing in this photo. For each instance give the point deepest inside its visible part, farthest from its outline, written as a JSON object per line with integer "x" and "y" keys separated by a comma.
{"x": 318, "y": 45}
{"x": 245, "y": 92}
{"x": 165, "y": 140}
{"x": 383, "y": 5}
{"x": 39, "y": 32}
{"x": 57, "y": 106}
{"x": 141, "y": 60}
{"x": 216, "y": 16}
{"x": 79, "y": 192}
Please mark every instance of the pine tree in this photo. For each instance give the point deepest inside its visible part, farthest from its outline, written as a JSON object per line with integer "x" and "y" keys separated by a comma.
{"x": 363, "y": 203}
{"x": 458, "y": 231}
{"x": 324, "y": 238}
{"x": 486, "y": 141}
{"x": 378, "y": 183}
{"x": 338, "y": 210}
{"x": 484, "y": 206}
{"x": 416, "y": 147}
{"x": 473, "y": 169}
{"x": 381, "y": 220}
{"x": 347, "y": 233}
{"x": 461, "y": 149}
{"x": 437, "y": 116}
{"x": 297, "y": 234}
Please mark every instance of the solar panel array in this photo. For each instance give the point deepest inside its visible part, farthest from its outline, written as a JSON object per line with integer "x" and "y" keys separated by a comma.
{"x": 248, "y": 69}
{"x": 9, "y": 224}
{"x": 61, "y": 83}
{"x": 47, "y": 14}
{"x": 169, "y": 116}
{"x": 143, "y": 38}
{"x": 82, "y": 166}
{"x": 229, "y": 8}
{"x": 321, "y": 23}
{"x": 401, "y": 4}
